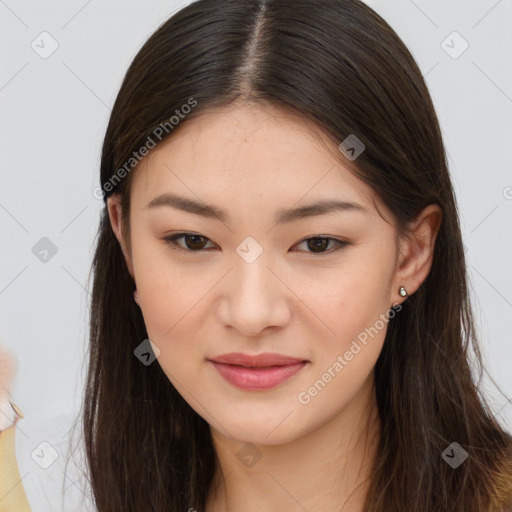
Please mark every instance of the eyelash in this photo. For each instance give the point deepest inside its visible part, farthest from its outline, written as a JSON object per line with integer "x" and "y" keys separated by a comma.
{"x": 171, "y": 241}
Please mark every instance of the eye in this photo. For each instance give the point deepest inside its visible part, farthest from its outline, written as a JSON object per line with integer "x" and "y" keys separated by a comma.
{"x": 318, "y": 244}
{"x": 195, "y": 242}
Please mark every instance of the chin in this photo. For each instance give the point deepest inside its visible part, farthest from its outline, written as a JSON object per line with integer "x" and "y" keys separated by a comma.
{"x": 261, "y": 431}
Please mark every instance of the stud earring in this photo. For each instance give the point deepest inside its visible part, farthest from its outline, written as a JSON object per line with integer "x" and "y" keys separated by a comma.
{"x": 402, "y": 291}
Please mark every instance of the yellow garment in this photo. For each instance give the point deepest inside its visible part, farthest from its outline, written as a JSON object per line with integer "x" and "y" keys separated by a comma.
{"x": 12, "y": 492}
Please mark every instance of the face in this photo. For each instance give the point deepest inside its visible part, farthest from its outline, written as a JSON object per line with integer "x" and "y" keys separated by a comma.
{"x": 317, "y": 288}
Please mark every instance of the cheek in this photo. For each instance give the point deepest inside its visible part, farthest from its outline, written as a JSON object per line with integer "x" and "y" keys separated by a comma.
{"x": 175, "y": 304}
{"x": 169, "y": 305}
{"x": 164, "y": 294}
{"x": 357, "y": 328}
{"x": 346, "y": 299}
{"x": 352, "y": 305}
{"x": 344, "y": 358}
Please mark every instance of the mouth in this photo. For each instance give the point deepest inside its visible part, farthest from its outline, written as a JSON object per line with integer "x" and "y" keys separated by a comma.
{"x": 257, "y": 377}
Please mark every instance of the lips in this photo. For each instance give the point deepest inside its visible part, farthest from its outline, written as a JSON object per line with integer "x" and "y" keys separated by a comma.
{"x": 258, "y": 361}
{"x": 260, "y": 372}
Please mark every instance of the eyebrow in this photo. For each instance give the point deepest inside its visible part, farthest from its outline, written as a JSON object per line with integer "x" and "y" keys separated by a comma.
{"x": 283, "y": 216}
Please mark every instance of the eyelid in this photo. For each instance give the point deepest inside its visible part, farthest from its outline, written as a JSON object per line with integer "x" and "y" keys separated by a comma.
{"x": 171, "y": 241}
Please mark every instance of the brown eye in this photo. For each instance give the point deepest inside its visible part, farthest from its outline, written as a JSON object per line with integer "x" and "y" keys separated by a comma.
{"x": 193, "y": 241}
{"x": 319, "y": 244}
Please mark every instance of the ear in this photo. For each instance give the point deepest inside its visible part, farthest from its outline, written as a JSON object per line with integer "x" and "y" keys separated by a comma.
{"x": 115, "y": 215}
{"x": 417, "y": 251}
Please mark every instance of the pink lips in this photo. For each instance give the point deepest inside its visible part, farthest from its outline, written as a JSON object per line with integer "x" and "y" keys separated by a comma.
{"x": 263, "y": 371}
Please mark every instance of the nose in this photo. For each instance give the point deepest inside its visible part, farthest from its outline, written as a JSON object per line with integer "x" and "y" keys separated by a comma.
{"x": 255, "y": 298}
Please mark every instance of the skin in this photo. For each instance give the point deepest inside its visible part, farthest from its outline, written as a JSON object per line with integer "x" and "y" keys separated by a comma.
{"x": 251, "y": 160}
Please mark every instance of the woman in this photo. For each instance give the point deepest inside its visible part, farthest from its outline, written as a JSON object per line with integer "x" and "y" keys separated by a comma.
{"x": 280, "y": 316}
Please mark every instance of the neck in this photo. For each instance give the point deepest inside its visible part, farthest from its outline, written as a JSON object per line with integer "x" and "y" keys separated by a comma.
{"x": 327, "y": 469}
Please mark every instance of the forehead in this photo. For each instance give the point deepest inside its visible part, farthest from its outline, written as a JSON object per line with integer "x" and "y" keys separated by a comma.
{"x": 246, "y": 154}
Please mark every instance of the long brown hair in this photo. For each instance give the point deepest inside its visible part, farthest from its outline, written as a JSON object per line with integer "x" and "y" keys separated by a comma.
{"x": 338, "y": 64}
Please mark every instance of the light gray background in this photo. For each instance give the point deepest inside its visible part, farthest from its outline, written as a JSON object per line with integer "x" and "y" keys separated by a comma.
{"x": 54, "y": 114}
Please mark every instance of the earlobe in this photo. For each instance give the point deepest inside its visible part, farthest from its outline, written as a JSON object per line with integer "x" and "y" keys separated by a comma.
{"x": 116, "y": 217}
